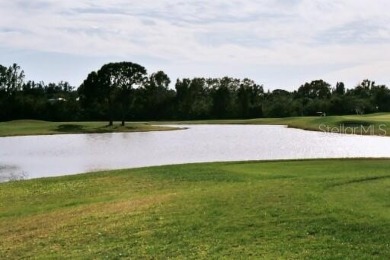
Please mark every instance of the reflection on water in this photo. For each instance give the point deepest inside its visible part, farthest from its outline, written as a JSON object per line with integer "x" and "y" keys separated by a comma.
{"x": 11, "y": 173}
{"x": 41, "y": 156}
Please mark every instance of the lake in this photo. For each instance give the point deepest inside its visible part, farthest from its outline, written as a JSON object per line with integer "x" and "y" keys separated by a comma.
{"x": 54, "y": 155}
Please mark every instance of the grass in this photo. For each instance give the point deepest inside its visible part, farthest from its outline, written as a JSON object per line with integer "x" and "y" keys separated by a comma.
{"x": 36, "y": 127}
{"x": 312, "y": 209}
{"x": 371, "y": 124}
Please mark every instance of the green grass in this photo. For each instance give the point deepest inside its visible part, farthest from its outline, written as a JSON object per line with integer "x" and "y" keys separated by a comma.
{"x": 36, "y": 127}
{"x": 371, "y": 124}
{"x": 313, "y": 209}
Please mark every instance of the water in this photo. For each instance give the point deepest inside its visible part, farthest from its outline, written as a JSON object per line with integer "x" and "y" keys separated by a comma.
{"x": 43, "y": 156}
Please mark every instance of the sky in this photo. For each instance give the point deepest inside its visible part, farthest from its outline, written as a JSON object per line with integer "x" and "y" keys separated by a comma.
{"x": 278, "y": 43}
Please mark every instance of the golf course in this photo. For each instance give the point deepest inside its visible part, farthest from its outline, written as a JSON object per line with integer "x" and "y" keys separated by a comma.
{"x": 38, "y": 127}
{"x": 195, "y": 130}
{"x": 285, "y": 209}
{"x": 314, "y": 209}
{"x": 371, "y": 124}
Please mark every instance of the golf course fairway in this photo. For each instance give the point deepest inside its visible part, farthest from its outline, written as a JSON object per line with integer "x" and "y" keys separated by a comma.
{"x": 313, "y": 209}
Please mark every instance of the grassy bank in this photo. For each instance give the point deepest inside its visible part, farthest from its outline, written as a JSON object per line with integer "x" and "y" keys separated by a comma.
{"x": 371, "y": 124}
{"x": 315, "y": 209}
{"x": 36, "y": 127}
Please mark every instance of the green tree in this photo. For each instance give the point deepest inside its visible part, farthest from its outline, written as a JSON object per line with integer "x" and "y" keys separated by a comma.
{"x": 14, "y": 78}
{"x": 315, "y": 89}
{"x": 381, "y": 98}
{"x": 193, "y": 98}
{"x": 119, "y": 79}
{"x": 93, "y": 98}
{"x": 313, "y": 97}
{"x": 362, "y": 99}
{"x": 3, "y": 77}
{"x": 11, "y": 82}
{"x": 250, "y": 97}
{"x": 224, "y": 98}
{"x": 340, "y": 89}
{"x": 114, "y": 83}
{"x": 278, "y": 103}
{"x": 156, "y": 97}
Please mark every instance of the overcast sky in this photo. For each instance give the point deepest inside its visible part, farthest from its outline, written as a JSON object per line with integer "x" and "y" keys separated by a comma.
{"x": 277, "y": 43}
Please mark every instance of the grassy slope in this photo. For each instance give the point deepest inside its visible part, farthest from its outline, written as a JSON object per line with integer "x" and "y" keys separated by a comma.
{"x": 378, "y": 123}
{"x": 315, "y": 209}
{"x": 36, "y": 127}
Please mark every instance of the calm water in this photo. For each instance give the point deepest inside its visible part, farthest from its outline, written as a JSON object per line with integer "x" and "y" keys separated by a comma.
{"x": 41, "y": 156}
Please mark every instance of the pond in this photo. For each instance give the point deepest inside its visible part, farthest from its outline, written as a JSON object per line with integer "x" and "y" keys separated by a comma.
{"x": 42, "y": 156}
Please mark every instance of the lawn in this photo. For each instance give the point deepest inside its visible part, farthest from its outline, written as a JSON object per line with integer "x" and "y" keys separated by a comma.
{"x": 313, "y": 209}
{"x": 37, "y": 127}
{"x": 371, "y": 124}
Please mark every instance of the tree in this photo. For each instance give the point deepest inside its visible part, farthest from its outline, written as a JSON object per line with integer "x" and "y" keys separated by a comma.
{"x": 159, "y": 80}
{"x": 11, "y": 82}
{"x": 193, "y": 98}
{"x": 315, "y": 89}
{"x": 340, "y": 89}
{"x": 120, "y": 78}
{"x": 155, "y": 96}
{"x": 250, "y": 97}
{"x": 381, "y": 98}
{"x": 278, "y": 103}
{"x": 14, "y": 78}
{"x": 3, "y": 77}
{"x": 362, "y": 98}
{"x": 93, "y": 98}
{"x": 224, "y": 98}
{"x": 114, "y": 83}
{"x": 313, "y": 97}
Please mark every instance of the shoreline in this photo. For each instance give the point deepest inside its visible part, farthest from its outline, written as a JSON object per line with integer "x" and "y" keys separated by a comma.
{"x": 372, "y": 124}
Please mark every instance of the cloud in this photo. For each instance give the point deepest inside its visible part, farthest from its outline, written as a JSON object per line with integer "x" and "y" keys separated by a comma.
{"x": 357, "y": 32}
{"x": 252, "y": 34}
{"x": 28, "y": 6}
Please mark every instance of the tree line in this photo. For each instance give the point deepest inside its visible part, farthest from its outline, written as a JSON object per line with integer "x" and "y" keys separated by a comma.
{"x": 125, "y": 91}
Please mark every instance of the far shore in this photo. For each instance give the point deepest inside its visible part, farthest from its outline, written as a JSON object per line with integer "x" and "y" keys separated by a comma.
{"x": 371, "y": 124}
